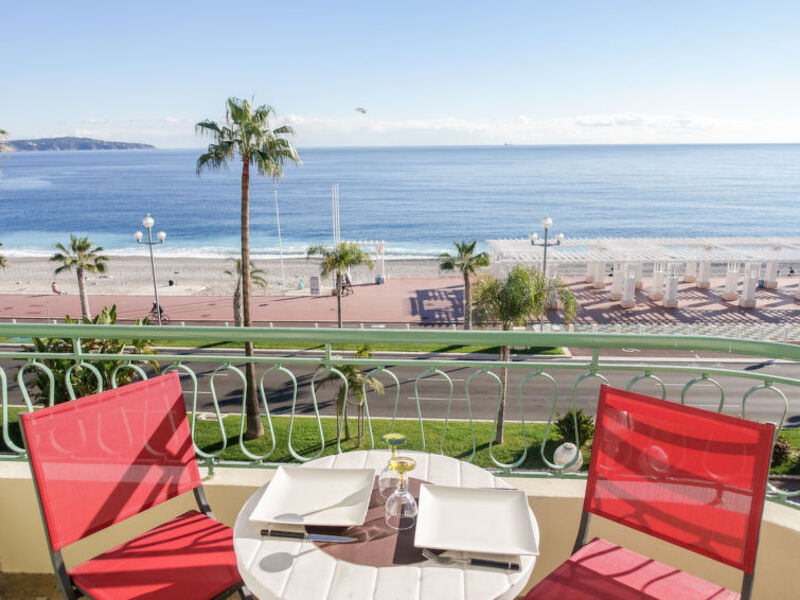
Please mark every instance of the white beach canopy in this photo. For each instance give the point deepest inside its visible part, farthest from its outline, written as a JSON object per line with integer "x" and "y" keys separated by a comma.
{"x": 577, "y": 251}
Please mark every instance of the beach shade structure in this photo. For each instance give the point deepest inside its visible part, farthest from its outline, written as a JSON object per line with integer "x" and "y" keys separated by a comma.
{"x": 749, "y": 285}
{"x": 688, "y": 476}
{"x": 671, "y": 290}
{"x": 101, "y": 459}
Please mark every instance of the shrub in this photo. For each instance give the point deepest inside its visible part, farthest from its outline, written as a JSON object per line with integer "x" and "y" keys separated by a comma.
{"x": 83, "y": 381}
{"x": 781, "y": 451}
{"x": 565, "y": 426}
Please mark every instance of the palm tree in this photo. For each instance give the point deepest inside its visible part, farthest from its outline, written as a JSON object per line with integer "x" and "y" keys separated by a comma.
{"x": 247, "y": 131}
{"x": 3, "y": 261}
{"x": 357, "y": 383}
{"x": 466, "y": 262}
{"x": 81, "y": 255}
{"x": 336, "y": 261}
{"x": 526, "y": 293}
{"x": 256, "y": 276}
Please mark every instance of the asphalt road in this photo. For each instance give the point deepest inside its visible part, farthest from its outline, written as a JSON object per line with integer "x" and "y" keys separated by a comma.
{"x": 483, "y": 392}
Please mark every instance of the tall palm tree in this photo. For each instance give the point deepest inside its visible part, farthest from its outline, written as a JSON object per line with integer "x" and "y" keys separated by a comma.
{"x": 247, "y": 131}
{"x": 336, "y": 261}
{"x": 256, "y": 276}
{"x": 526, "y": 293}
{"x": 83, "y": 256}
{"x": 466, "y": 262}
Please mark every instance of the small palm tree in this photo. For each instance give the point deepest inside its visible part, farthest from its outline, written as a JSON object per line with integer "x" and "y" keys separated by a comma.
{"x": 357, "y": 383}
{"x": 247, "y": 131}
{"x": 336, "y": 261}
{"x": 526, "y": 293}
{"x": 82, "y": 256}
{"x": 3, "y": 262}
{"x": 466, "y": 262}
{"x": 256, "y": 276}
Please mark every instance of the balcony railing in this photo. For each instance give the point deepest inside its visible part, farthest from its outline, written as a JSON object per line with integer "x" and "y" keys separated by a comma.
{"x": 547, "y": 383}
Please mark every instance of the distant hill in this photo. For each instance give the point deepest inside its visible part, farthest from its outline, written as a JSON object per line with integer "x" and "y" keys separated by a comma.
{"x": 72, "y": 143}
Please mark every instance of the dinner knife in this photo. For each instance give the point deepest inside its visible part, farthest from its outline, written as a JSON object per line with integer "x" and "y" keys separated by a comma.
{"x": 303, "y": 535}
{"x": 473, "y": 562}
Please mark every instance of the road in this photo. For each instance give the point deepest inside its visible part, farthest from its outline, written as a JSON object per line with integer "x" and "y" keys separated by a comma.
{"x": 434, "y": 391}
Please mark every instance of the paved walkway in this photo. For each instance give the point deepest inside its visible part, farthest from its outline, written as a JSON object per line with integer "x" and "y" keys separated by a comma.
{"x": 419, "y": 302}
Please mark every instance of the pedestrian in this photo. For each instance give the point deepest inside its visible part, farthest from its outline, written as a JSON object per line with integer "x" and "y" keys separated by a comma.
{"x": 57, "y": 291}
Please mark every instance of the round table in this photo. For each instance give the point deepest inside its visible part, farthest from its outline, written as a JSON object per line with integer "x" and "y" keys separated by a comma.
{"x": 298, "y": 570}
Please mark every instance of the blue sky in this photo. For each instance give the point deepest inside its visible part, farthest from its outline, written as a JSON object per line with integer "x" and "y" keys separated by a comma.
{"x": 427, "y": 72}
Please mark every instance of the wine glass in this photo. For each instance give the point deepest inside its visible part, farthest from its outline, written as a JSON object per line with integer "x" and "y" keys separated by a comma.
{"x": 401, "y": 508}
{"x": 388, "y": 479}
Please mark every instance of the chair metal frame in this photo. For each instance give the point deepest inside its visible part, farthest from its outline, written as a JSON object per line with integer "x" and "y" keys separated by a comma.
{"x": 72, "y": 591}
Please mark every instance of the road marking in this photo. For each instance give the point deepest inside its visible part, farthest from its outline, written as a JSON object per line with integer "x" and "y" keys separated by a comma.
{"x": 433, "y": 398}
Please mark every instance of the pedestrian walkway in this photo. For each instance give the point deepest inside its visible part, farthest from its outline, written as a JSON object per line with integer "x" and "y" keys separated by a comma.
{"x": 418, "y": 302}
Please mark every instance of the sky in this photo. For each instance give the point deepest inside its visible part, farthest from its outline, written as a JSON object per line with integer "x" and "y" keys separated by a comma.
{"x": 427, "y": 73}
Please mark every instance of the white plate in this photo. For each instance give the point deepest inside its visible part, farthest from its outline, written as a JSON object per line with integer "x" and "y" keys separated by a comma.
{"x": 474, "y": 520}
{"x": 316, "y": 497}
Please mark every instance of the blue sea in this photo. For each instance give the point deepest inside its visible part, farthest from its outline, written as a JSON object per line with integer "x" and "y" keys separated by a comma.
{"x": 418, "y": 199}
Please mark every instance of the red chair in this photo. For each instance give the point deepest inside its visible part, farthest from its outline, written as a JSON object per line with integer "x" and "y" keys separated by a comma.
{"x": 103, "y": 458}
{"x": 688, "y": 476}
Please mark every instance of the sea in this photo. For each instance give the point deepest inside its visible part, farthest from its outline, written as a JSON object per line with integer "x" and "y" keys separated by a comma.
{"x": 418, "y": 200}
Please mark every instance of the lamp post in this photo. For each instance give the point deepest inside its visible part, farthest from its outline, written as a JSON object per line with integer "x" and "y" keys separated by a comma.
{"x": 547, "y": 222}
{"x": 148, "y": 223}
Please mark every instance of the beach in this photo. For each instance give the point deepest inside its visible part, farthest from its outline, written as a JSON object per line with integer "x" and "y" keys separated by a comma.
{"x": 190, "y": 276}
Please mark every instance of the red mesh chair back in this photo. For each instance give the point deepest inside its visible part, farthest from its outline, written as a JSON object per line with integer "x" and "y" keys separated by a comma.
{"x": 692, "y": 477}
{"x": 102, "y": 458}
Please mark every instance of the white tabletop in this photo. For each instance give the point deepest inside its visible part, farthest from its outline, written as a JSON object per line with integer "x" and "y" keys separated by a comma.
{"x": 298, "y": 570}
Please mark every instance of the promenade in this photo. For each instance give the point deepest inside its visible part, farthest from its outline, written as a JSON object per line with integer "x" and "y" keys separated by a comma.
{"x": 417, "y": 302}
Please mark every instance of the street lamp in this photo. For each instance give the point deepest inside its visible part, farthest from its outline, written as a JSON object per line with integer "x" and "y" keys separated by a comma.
{"x": 148, "y": 223}
{"x": 547, "y": 222}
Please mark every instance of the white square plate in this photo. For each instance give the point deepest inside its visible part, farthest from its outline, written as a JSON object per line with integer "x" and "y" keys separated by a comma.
{"x": 474, "y": 520}
{"x": 316, "y": 497}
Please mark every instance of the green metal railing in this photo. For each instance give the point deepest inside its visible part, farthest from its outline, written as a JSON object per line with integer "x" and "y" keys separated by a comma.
{"x": 326, "y": 364}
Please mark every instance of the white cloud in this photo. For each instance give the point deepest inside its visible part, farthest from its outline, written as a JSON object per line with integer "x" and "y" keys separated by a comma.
{"x": 355, "y": 130}
{"x": 524, "y": 129}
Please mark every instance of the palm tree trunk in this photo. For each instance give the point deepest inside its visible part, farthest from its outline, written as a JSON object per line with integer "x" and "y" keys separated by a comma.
{"x": 237, "y": 304}
{"x": 505, "y": 355}
{"x": 255, "y": 428}
{"x": 339, "y": 297}
{"x": 467, "y": 301}
{"x": 82, "y": 292}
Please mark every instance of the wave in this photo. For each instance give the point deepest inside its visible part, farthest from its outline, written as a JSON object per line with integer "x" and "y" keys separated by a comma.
{"x": 16, "y": 184}
{"x": 220, "y": 252}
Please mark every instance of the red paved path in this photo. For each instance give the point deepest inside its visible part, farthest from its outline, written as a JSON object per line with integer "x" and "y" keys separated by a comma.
{"x": 417, "y": 301}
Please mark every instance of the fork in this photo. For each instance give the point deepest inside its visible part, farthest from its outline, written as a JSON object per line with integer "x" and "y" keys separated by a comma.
{"x": 473, "y": 562}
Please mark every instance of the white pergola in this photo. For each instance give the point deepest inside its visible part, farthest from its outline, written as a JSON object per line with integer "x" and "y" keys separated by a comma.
{"x": 578, "y": 251}
{"x": 667, "y": 255}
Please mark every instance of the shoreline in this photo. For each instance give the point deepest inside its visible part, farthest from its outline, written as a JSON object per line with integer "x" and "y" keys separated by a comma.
{"x": 191, "y": 276}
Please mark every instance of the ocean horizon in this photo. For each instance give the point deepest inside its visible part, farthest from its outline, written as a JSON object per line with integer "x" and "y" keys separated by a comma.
{"x": 417, "y": 199}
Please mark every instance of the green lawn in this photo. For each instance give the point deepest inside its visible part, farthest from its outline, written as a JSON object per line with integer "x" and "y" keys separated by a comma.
{"x": 457, "y": 443}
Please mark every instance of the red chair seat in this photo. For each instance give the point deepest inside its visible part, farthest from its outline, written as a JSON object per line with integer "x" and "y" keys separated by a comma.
{"x": 604, "y": 570}
{"x": 190, "y": 557}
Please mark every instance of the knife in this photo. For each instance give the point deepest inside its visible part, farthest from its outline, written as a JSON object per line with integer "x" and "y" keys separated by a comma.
{"x": 302, "y": 535}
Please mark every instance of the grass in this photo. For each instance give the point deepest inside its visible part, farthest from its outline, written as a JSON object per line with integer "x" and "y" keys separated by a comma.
{"x": 791, "y": 466}
{"x": 458, "y": 442}
{"x": 429, "y": 348}
{"x": 306, "y": 441}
